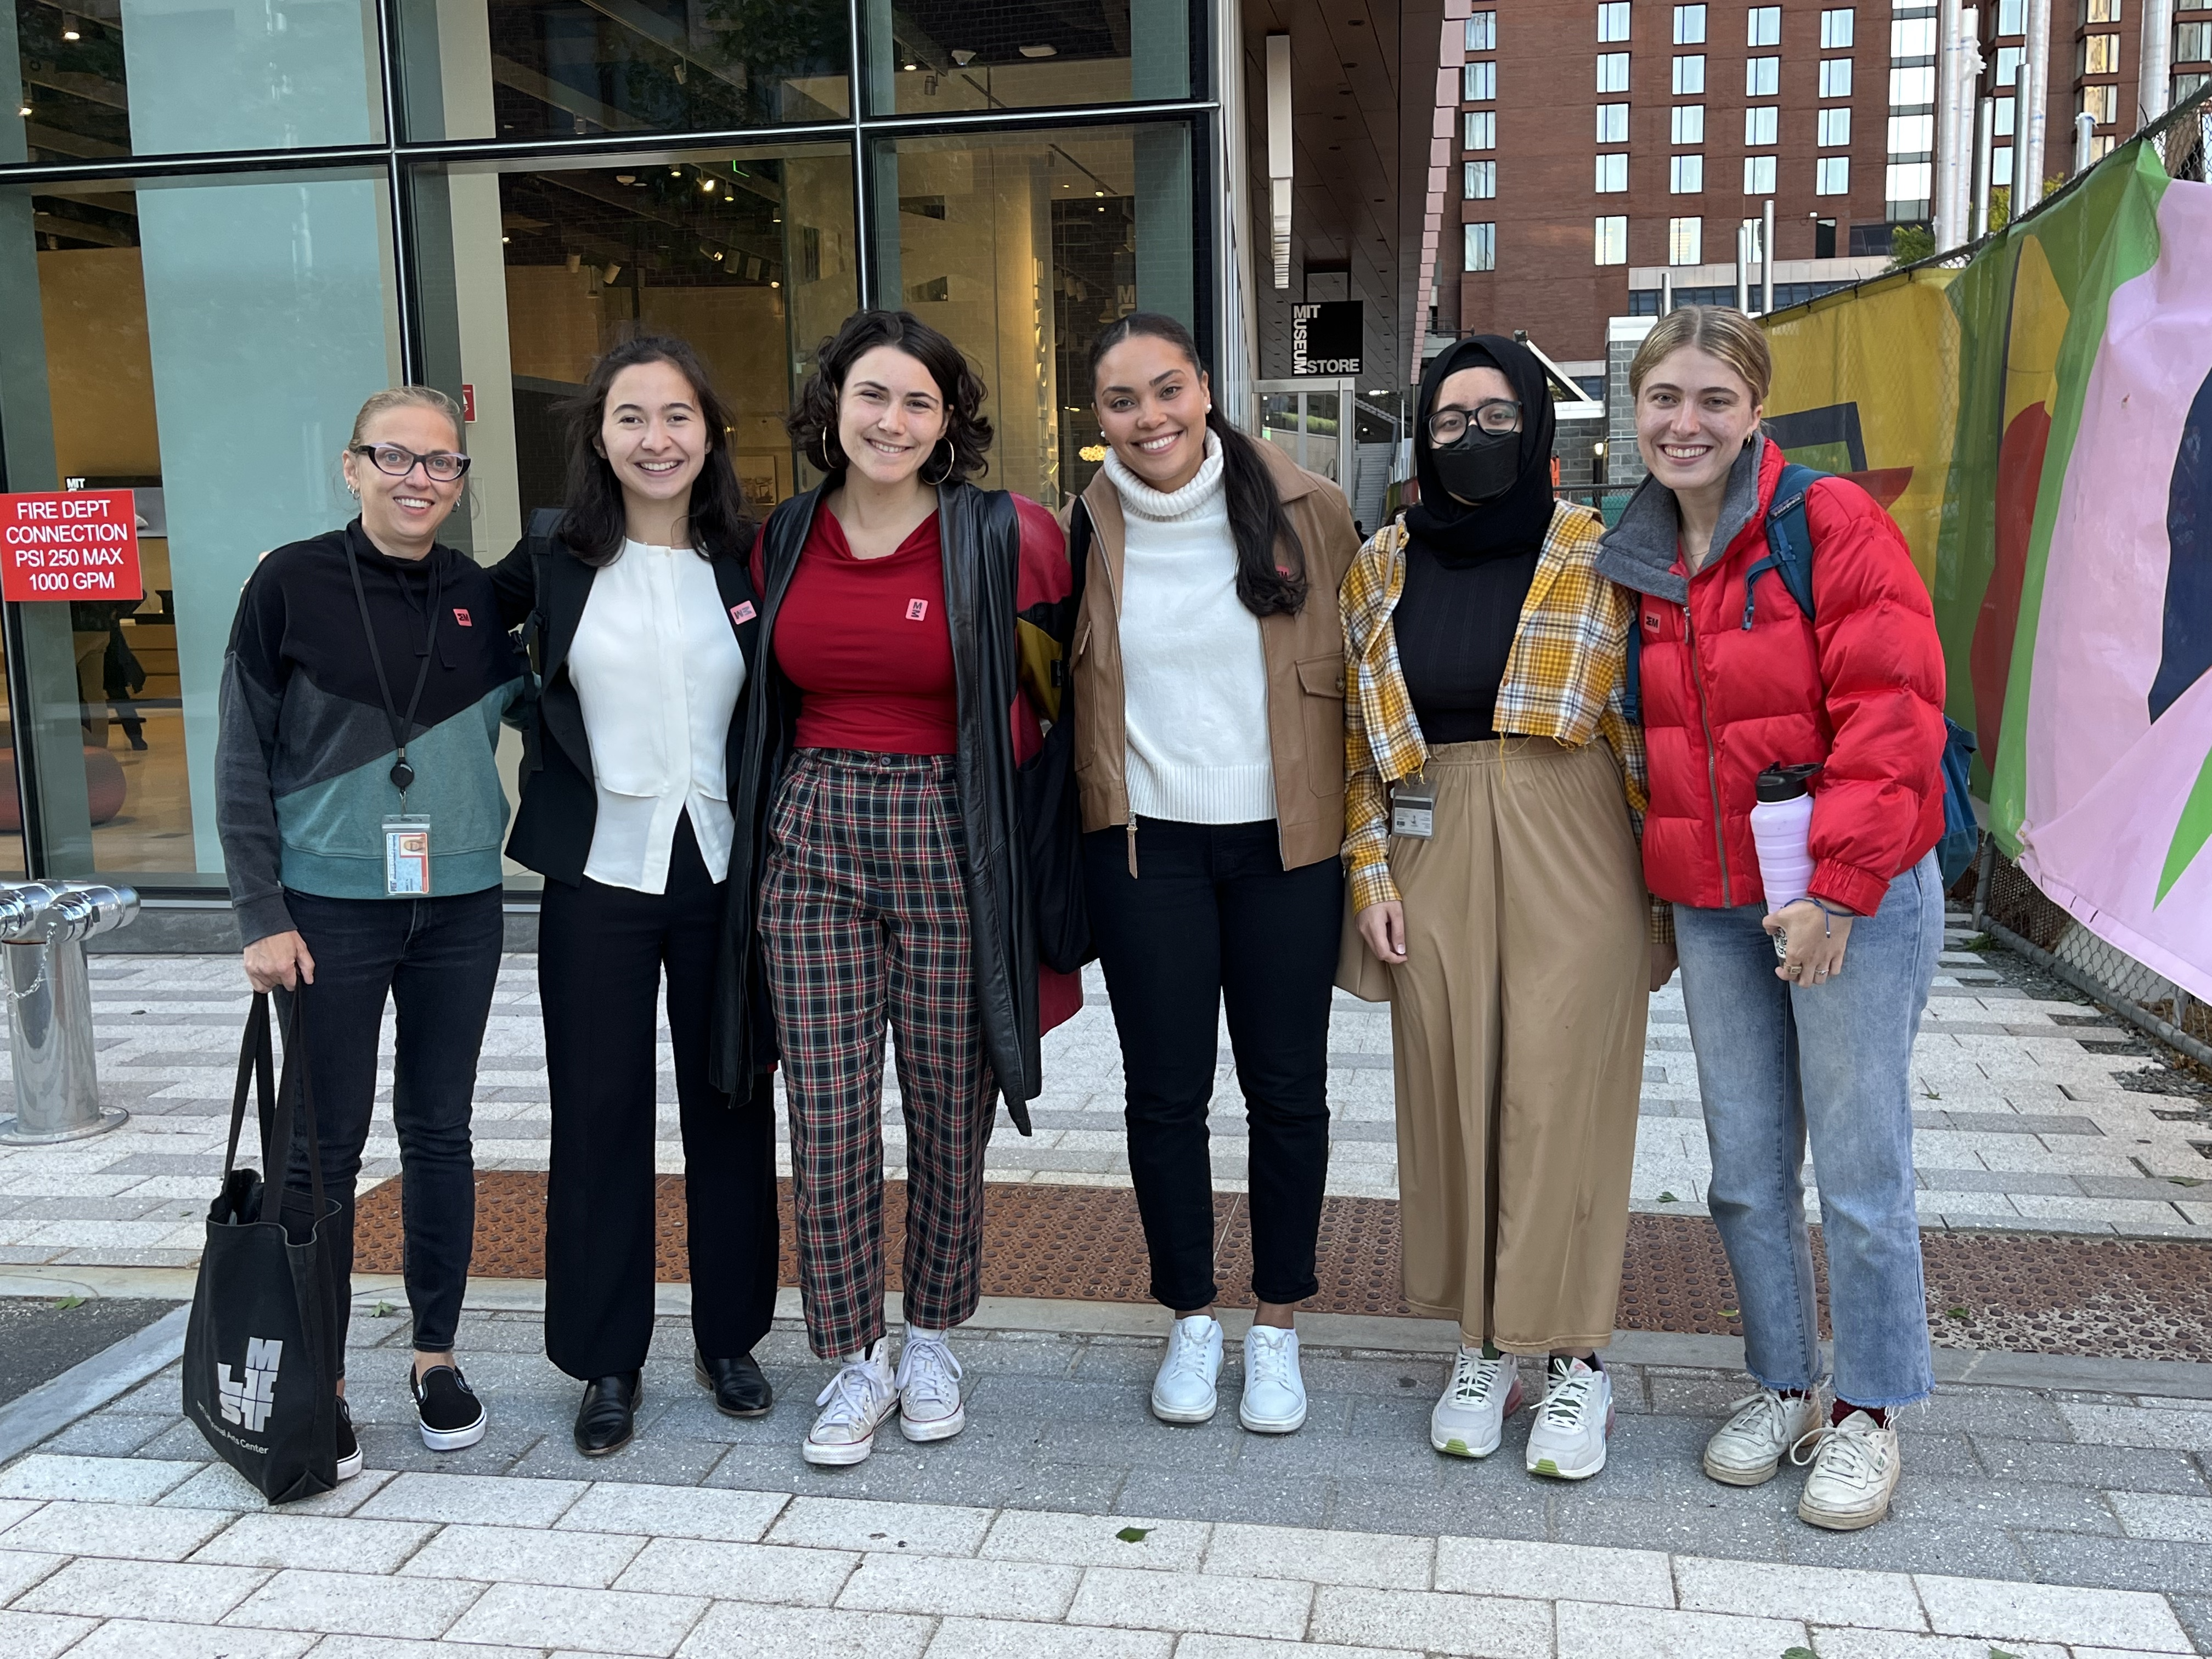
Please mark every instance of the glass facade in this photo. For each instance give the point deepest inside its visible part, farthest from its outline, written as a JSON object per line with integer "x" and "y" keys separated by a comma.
{"x": 223, "y": 226}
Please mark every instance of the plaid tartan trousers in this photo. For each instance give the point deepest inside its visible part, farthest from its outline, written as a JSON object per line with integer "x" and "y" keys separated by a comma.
{"x": 863, "y": 913}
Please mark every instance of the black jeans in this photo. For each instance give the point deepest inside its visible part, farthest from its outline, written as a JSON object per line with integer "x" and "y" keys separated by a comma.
{"x": 1212, "y": 914}
{"x": 601, "y": 953}
{"x": 438, "y": 960}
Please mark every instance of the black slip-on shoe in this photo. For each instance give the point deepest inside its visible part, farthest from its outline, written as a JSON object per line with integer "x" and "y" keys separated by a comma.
{"x": 450, "y": 1416}
{"x": 608, "y": 1417}
{"x": 349, "y": 1446}
{"x": 738, "y": 1386}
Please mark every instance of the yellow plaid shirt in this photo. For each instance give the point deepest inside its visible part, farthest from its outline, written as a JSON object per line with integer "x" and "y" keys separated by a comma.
{"x": 1565, "y": 678}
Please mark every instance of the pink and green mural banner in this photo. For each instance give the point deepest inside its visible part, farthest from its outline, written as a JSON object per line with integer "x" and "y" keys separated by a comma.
{"x": 2059, "y": 386}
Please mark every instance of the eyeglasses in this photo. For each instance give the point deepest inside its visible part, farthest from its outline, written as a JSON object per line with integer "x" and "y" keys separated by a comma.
{"x": 442, "y": 464}
{"x": 1496, "y": 416}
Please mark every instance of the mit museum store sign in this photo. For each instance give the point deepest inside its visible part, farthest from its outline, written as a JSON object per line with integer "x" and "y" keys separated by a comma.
{"x": 78, "y": 544}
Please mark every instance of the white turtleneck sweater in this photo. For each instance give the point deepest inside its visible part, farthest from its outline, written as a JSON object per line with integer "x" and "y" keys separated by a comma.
{"x": 1194, "y": 678}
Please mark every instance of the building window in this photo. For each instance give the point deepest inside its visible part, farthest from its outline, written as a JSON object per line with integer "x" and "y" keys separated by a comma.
{"x": 1482, "y": 30}
{"x": 1613, "y": 21}
{"x": 1689, "y": 127}
{"x": 1612, "y": 173}
{"x": 1685, "y": 175}
{"x": 2186, "y": 86}
{"x": 1689, "y": 25}
{"x": 2100, "y": 54}
{"x": 1686, "y": 241}
{"x": 1481, "y": 180}
{"x": 2101, "y": 11}
{"x": 1759, "y": 175}
{"x": 1912, "y": 37}
{"x": 2001, "y": 165}
{"x": 1612, "y": 239}
{"x": 1913, "y": 136}
{"x": 1908, "y": 184}
{"x": 1836, "y": 28}
{"x": 2101, "y": 102}
{"x": 1690, "y": 73}
{"x": 1613, "y": 123}
{"x": 1480, "y": 244}
{"x": 1761, "y": 124}
{"x": 1613, "y": 71}
{"x": 1831, "y": 176}
{"x": 1912, "y": 89}
{"x": 1481, "y": 130}
{"x": 2002, "y": 122}
{"x": 2009, "y": 59}
{"x": 1762, "y": 77}
{"x": 1836, "y": 77}
{"x": 2012, "y": 16}
{"x": 2192, "y": 43}
{"x": 1480, "y": 82}
{"x": 1835, "y": 127}
{"x": 1765, "y": 26}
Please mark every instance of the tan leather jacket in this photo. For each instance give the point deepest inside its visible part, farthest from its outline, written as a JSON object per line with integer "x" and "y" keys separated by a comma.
{"x": 1304, "y": 656}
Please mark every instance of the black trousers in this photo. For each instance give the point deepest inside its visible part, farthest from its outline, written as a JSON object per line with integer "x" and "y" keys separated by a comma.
{"x": 1214, "y": 916}
{"x": 437, "y": 959}
{"x": 601, "y": 954}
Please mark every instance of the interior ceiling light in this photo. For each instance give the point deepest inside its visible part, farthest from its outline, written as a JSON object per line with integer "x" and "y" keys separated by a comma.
{"x": 775, "y": 284}
{"x": 1038, "y": 51}
{"x": 1097, "y": 192}
{"x": 910, "y": 67}
{"x": 71, "y": 29}
{"x": 708, "y": 185}
{"x": 962, "y": 57}
{"x": 24, "y": 112}
{"x": 625, "y": 177}
{"x": 676, "y": 172}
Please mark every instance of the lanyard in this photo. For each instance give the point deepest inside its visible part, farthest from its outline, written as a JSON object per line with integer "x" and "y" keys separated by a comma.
{"x": 402, "y": 774}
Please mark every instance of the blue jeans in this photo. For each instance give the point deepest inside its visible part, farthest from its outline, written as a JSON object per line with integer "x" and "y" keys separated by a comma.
{"x": 1777, "y": 1063}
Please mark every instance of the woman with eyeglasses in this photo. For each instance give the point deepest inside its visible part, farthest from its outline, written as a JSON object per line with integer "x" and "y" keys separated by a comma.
{"x": 1491, "y": 820}
{"x": 359, "y": 804}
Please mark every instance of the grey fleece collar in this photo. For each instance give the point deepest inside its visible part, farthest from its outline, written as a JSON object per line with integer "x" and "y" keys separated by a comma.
{"x": 1639, "y": 552}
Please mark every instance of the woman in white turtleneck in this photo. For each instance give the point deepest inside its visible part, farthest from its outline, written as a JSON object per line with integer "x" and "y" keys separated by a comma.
{"x": 1209, "y": 711}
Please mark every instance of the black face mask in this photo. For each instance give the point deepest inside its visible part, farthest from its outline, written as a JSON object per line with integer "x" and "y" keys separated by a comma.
{"x": 1481, "y": 466}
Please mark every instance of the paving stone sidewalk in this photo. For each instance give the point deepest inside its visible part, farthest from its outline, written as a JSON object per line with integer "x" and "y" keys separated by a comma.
{"x": 2024, "y": 1123}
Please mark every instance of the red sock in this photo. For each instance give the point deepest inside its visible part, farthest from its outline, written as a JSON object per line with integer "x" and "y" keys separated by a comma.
{"x": 1842, "y": 1408}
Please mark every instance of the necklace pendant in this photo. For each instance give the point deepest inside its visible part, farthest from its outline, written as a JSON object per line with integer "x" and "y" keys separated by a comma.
{"x": 403, "y": 776}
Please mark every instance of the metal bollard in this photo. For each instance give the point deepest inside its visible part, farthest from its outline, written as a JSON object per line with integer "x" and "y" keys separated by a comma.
{"x": 42, "y": 928}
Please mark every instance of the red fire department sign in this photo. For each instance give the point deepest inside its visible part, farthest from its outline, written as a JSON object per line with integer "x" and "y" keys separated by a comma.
{"x": 75, "y": 544}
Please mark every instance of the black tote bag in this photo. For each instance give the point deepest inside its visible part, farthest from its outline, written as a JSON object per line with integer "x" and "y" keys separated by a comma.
{"x": 1051, "y": 807}
{"x": 260, "y": 1375}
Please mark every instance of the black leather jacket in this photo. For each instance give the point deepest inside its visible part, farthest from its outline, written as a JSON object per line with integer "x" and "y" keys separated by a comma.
{"x": 981, "y": 535}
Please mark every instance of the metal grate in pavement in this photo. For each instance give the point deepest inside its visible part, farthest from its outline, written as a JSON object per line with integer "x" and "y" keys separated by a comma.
{"x": 2022, "y": 1293}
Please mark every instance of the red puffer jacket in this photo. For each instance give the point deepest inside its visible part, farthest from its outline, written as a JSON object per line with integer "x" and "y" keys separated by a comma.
{"x": 1730, "y": 689}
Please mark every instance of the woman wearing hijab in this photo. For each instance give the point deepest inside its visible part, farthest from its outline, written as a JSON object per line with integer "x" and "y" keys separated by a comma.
{"x": 1493, "y": 844}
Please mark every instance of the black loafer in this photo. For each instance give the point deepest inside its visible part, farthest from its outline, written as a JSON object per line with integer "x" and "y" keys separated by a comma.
{"x": 608, "y": 1417}
{"x": 738, "y": 1386}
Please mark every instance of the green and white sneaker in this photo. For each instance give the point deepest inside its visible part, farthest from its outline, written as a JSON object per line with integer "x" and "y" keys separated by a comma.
{"x": 1469, "y": 1418}
{"x": 1567, "y": 1441}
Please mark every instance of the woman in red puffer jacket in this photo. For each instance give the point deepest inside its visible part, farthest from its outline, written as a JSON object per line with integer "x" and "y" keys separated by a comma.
{"x": 1736, "y": 677}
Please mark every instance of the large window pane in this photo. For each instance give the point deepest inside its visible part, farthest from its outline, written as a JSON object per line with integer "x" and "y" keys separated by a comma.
{"x": 935, "y": 56}
{"x": 150, "y": 77}
{"x": 1021, "y": 248}
{"x": 206, "y": 343}
{"x": 536, "y": 68}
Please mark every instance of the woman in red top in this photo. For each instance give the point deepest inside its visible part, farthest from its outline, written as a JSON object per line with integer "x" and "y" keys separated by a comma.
{"x": 911, "y": 631}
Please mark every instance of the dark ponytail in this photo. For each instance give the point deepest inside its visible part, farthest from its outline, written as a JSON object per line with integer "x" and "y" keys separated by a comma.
{"x": 1265, "y": 583}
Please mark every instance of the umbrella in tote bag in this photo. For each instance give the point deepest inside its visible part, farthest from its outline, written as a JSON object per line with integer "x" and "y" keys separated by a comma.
{"x": 260, "y": 1369}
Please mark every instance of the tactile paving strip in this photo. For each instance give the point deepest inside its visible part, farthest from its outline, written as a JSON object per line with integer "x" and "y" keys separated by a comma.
{"x": 2023, "y": 1293}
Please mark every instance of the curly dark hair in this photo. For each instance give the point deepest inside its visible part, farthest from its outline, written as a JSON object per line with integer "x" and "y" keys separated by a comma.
{"x": 814, "y": 420}
{"x": 593, "y": 525}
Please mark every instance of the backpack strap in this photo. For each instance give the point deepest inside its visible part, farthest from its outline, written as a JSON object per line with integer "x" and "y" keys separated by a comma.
{"x": 1788, "y": 542}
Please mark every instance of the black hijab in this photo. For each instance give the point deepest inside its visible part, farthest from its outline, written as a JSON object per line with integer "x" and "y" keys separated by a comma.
{"x": 1515, "y": 523}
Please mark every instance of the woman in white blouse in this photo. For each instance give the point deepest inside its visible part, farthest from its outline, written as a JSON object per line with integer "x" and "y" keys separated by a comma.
{"x": 640, "y": 619}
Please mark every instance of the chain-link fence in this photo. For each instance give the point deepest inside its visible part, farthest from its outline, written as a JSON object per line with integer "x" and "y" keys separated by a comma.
{"x": 2015, "y": 911}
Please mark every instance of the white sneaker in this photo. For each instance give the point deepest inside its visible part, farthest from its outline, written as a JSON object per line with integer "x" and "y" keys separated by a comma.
{"x": 1469, "y": 1420}
{"x": 1748, "y": 1449}
{"x": 1855, "y": 1469}
{"x": 861, "y": 1394}
{"x": 1183, "y": 1391}
{"x": 1567, "y": 1440}
{"x": 1274, "y": 1399}
{"x": 929, "y": 1388}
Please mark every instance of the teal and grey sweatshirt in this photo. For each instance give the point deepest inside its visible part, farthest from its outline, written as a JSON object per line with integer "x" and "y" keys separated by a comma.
{"x": 303, "y": 764}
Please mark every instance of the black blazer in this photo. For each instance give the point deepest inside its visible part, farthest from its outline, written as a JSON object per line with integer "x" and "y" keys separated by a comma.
{"x": 542, "y": 587}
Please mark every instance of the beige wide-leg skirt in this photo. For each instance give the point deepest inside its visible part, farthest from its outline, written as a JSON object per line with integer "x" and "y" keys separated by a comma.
{"x": 1517, "y": 1023}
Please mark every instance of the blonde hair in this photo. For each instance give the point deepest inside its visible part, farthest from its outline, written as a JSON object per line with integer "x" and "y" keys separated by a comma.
{"x": 409, "y": 397}
{"x": 1728, "y": 334}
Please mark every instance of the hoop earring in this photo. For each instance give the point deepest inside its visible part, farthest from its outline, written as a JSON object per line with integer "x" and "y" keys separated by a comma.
{"x": 951, "y": 456}
{"x": 828, "y": 465}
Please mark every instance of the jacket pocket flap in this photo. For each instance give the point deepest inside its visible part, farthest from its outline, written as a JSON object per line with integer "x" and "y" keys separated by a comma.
{"x": 1323, "y": 676}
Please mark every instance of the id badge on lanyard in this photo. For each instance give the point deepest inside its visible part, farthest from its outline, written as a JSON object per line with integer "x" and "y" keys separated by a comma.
{"x": 1414, "y": 809}
{"x": 407, "y": 857}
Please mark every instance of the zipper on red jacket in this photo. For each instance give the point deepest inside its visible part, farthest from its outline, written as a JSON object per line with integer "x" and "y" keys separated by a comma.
{"x": 1712, "y": 753}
